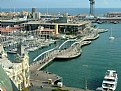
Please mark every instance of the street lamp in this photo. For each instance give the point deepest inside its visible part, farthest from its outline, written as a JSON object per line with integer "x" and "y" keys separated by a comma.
{"x": 85, "y": 66}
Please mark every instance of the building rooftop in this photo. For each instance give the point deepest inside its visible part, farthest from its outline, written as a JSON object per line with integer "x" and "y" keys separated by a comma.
{"x": 74, "y": 24}
{"x": 114, "y": 13}
{"x": 5, "y": 83}
{"x": 7, "y": 64}
{"x": 9, "y": 29}
{"x": 14, "y": 20}
{"x": 6, "y": 29}
{"x": 47, "y": 30}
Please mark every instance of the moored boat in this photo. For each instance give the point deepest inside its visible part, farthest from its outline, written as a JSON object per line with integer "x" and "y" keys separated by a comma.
{"x": 110, "y": 81}
{"x": 111, "y": 38}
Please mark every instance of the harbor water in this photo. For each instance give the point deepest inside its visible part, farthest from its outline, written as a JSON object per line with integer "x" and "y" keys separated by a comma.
{"x": 102, "y": 54}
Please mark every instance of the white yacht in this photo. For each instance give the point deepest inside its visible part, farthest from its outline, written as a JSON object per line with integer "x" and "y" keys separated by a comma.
{"x": 110, "y": 81}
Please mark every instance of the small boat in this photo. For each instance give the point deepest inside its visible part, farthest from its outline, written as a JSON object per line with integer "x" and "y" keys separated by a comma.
{"x": 31, "y": 48}
{"x": 111, "y": 37}
{"x": 110, "y": 81}
{"x": 115, "y": 22}
{"x": 99, "y": 22}
{"x": 12, "y": 50}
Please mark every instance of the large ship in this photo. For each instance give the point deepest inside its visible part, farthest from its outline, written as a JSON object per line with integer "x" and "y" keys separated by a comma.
{"x": 110, "y": 81}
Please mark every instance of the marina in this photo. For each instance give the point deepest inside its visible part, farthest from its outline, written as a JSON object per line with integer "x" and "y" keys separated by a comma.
{"x": 101, "y": 55}
{"x": 63, "y": 51}
{"x": 57, "y": 48}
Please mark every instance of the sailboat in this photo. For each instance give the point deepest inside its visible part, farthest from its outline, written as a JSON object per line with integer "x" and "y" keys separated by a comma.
{"x": 111, "y": 37}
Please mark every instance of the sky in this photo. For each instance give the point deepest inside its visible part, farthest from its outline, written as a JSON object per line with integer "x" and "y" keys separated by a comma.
{"x": 58, "y": 3}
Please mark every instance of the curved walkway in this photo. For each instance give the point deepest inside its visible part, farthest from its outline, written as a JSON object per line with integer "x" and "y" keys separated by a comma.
{"x": 66, "y": 42}
{"x": 71, "y": 52}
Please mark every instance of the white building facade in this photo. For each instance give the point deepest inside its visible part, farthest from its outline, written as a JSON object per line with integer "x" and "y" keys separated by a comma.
{"x": 17, "y": 72}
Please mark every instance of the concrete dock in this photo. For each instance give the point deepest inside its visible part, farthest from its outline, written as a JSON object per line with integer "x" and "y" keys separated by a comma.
{"x": 71, "y": 52}
{"x": 39, "y": 82}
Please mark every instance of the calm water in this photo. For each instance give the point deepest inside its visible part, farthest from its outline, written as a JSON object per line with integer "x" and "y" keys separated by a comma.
{"x": 100, "y": 55}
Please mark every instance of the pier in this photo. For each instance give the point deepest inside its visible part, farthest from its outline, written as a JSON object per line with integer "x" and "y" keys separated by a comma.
{"x": 46, "y": 57}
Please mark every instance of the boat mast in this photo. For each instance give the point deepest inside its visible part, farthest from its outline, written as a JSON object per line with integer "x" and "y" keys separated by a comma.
{"x": 111, "y": 33}
{"x": 47, "y": 8}
{"x": 14, "y": 9}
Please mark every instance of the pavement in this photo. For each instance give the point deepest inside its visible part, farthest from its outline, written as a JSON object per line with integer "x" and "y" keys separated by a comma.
{"x": 42, "y": 76}
{"x": 39, "y": 82}
{"x": 49, "y": 88}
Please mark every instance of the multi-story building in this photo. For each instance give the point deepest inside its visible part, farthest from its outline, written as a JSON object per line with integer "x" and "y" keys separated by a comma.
{"x": 33, "y": 10}
{"x": 26, "y": 13}
{"x": 62, "y": 27}
{"x": 17, "y": 71}
{"x": 36, "y": 15}
{"x": 9, "y": 30}
{"x": 114, "y": 14}
{"x": 46, "y": 33}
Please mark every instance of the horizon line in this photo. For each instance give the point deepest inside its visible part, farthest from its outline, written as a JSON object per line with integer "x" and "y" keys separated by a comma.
{"x": 56, "y": 8}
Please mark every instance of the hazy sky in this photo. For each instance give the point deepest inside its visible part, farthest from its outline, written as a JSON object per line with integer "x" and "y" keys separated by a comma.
{"x": 59, "y": 3}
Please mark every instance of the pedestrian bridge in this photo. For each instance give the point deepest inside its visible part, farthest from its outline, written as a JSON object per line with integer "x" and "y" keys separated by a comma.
{"x": 66, "y": 42}
{"x": 44, "y": 58}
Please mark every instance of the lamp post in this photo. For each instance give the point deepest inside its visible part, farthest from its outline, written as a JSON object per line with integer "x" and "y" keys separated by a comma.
{"x": 47, "y": 65}
{"x": 85, "y": 79}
